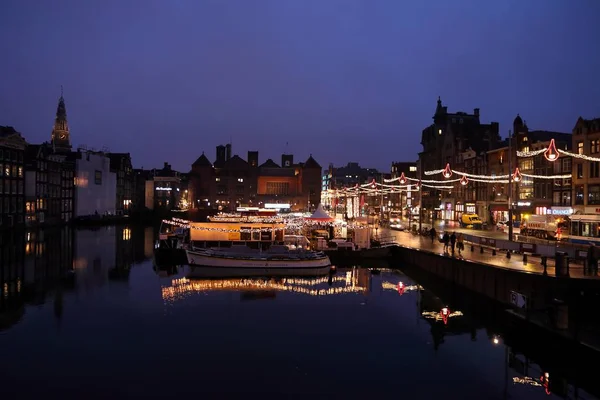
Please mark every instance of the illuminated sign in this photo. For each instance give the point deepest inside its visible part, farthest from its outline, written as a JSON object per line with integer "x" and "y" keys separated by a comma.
{"x": 164, "y": 188}
{"x": 277, "y": 206}
{"x": 562, "y": 211}
{"x": 523, "y": 203}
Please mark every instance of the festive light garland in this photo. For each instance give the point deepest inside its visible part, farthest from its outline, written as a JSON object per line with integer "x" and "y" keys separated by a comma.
{"x": 491, "y": 178}
{"x": 288, "y": 226}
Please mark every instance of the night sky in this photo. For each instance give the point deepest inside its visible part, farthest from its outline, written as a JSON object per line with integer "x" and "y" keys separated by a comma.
{"x": 344, "y": 80}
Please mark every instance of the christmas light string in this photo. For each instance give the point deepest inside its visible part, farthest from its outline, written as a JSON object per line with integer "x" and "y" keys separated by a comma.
{"x": 292, "y": 225}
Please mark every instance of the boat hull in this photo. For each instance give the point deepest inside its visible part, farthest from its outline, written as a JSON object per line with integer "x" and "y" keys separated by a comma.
{"x": 230, "y": 266}
{"x": 199, "y": 271}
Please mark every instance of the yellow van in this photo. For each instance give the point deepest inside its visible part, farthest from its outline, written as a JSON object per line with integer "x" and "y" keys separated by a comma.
{"x": 471, "y": 221}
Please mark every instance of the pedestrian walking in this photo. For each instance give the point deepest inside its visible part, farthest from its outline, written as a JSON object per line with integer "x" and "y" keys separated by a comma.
{"x": 453, "y": 241}
{"x": 446, "y": 240}
{"x": 432, "y": 233}
{"x": 460, "y": 243}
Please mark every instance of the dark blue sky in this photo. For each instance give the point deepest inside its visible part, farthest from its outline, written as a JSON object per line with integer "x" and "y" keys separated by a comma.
{"x": 344, "y": 80}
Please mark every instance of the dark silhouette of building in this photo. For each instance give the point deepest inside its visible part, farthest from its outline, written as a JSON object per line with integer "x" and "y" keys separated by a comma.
{"x": 12, "y": 177}
{"x": 231, "y": 181}
{"x": 61, "y": 136}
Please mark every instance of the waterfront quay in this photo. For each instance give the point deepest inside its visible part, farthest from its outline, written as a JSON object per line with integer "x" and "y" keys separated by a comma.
{"x": 542, "y": 301}
{"x": 92, "y": 306}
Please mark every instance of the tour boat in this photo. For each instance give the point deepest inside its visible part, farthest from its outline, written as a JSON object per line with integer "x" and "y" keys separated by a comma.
{"x": 252, "y": 261}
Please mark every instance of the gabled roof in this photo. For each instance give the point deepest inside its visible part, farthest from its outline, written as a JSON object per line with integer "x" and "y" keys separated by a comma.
{"x": 202, "y": 161}
{"x": 311, "y": 163}
{"x": 235, "y": 162}
{"x": 269, "y": 164}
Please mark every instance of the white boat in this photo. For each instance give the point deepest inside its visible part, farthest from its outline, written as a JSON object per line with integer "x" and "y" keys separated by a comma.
{"x": 244, "y": 259}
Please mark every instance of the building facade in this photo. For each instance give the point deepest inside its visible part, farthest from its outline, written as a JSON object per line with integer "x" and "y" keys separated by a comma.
{"x": 405, "y": 200}
{"x": 536, "y": 196}
{"x": 163, "y": 189}
{"x": 43, "y": 169}
{"x": 95, "y": 184}
{"x": 121, "y": 166}
{"x": 12, "y": 177}
{"x": 497, "y": 194}
{"x": 450, "y": 135}
{"x": 586, "y": 174}
{"x": 231, "y": 182}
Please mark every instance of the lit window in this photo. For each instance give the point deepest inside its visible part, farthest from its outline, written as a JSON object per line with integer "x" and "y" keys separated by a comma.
{"x": 240, "y": 179}
{"x": 440, "y": 132}
{"x": 412, "y": 168}
{"x": 217, "y": 179}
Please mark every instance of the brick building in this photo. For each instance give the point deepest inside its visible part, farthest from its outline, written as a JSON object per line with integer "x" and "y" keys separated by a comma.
{"x": 450, "y": 135}
{"x": 586, "y": 174}
{"x": 231, "y": 181}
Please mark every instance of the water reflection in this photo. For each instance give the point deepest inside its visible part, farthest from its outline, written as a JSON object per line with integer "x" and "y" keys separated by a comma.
{"x": 355, "y": 280}
{"x": 39, "y": 266}
{"x": 368, "y": 334}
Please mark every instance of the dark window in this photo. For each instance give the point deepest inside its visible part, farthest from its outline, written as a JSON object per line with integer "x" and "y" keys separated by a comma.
{"x": 594, "y": 169}
{"x": 579, "y": 171}
{"x": 579, "y": 195}
{"x": 98, "y": 177}
{"x": 594, "y": 194}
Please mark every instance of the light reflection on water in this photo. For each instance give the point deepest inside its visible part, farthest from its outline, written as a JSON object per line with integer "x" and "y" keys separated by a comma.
{"x": 126, "y": 327}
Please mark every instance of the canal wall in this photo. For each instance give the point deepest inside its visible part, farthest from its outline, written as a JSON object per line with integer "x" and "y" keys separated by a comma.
{"x": 499, "y": 284}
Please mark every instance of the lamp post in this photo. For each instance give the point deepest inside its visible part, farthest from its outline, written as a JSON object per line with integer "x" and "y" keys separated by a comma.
{"x": 420, "y": 199}
{"x": 510, "y": 212}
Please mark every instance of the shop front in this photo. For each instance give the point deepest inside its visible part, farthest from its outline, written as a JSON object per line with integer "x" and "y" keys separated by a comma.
{"x": 447, "y": 211}
{"x": 498, "y": 212}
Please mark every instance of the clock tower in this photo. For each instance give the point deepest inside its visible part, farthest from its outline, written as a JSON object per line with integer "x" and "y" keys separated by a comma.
{"x": 61, "y": 139}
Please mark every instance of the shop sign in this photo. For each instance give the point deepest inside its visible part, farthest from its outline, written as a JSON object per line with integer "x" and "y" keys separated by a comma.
{"x": 592, "y": 210}
{"x": 523, "y": 204}
{"x": 565, "y": 210}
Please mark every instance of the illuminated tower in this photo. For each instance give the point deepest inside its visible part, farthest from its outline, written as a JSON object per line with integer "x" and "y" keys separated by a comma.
{"x": 61, "y": 138}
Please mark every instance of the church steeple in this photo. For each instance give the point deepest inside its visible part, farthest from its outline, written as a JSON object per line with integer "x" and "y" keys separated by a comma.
{"x": 61, "y": 138}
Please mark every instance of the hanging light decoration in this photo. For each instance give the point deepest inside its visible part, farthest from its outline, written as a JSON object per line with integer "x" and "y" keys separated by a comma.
{"x": 517, "y": 177}
{"x": 418, "y": 185}
{"x": 551, "y": 153}
{"x": 373, "y": 184}
{"x": 445, "y": 313}
{"x": 447, "y": 173}
{"x": 402, "y": 179}
{"x": 464, "y": 181}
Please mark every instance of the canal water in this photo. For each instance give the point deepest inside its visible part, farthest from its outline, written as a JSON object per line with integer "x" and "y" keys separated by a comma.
{"x": 85, "y": 314}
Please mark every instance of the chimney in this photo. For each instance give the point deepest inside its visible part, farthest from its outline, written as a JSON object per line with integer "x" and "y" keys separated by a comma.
{"x": 476, "y": 112}
{"x": 228, "y": 151}
{"x": 220, "y": 153}
{"x": 253, "y": 158}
